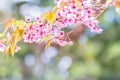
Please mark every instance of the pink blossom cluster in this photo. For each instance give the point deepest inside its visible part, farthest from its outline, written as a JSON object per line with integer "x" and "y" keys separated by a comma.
{"x": 37, "y": 31}
{"x": 72, "y": 14}
{"x": 69, "y": 14}
{"x": 40, "y": 30}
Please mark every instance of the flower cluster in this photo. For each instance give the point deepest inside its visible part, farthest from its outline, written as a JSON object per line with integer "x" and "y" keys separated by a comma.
{"x": 49, "y": 26}
{"x": 40, "y": 31}
{"x": 76, "y": 13}
{"x": 67, "y": 12}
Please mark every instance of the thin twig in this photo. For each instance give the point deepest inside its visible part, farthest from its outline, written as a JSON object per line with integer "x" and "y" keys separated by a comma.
{"x": 104, "y": 9}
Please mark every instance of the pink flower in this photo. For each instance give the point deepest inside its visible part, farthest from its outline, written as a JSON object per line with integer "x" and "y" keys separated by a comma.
{"x": 2, "y": 47}
{"x": 28, "y": 19}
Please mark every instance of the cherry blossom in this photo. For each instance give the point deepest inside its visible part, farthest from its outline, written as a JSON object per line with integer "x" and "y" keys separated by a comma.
{"x": 49, "y": 26}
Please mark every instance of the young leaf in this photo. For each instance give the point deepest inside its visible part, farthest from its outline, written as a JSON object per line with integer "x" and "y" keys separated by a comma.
{"x": 19, "y": 23}
{"x": 78, "y": 3}
{"x": 117, "y": 6}
{"x": 45, "y": 38}
{"x": 50, "y": 17}
{"x": 48, "y": 44}
{"x": 9, "y": 24}
{"x": 15, "y": 38}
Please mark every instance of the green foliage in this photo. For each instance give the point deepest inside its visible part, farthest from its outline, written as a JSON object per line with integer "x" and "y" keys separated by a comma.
{"x": 9, "y": 68}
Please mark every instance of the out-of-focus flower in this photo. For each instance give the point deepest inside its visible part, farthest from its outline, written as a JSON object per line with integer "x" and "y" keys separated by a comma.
{"x": 2, "y": 47}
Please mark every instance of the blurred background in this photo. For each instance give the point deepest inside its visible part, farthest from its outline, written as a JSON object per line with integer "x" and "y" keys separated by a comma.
{"x": 91, "y": 57}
